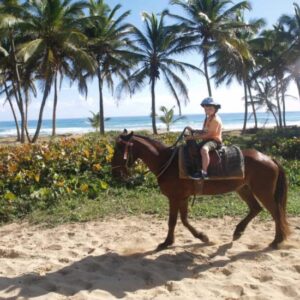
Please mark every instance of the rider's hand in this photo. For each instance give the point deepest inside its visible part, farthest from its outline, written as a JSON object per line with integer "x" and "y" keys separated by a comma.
{"x": 188, "y": 137}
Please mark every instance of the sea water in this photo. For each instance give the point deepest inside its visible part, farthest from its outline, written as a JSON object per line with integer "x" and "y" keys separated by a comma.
{"x": 82, "y": 125}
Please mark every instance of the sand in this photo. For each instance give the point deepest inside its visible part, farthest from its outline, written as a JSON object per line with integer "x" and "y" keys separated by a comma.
{"x": 114, "y": 258}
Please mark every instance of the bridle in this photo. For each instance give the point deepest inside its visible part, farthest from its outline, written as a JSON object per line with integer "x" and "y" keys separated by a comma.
{"x": 127, "y": 155}
{"x": 128, "y": 145}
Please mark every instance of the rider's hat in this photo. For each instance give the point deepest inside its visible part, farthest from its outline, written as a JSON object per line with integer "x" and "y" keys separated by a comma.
{"x": 209, "y": 101}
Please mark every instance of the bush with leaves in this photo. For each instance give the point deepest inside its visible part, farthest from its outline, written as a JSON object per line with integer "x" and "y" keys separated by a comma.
{"x": 38, "y": 175}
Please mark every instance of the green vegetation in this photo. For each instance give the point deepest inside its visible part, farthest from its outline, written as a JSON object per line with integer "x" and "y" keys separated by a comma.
{"x": 69, "y": 179}
{"x": 168, "y": 117}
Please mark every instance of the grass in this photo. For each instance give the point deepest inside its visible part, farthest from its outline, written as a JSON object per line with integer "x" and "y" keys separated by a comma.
{"x": 118, "y": 202}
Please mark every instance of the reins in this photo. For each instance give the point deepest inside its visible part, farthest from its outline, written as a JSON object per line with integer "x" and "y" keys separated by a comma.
{"x": 166, "y": 165}
{"x": 169, "y": 161}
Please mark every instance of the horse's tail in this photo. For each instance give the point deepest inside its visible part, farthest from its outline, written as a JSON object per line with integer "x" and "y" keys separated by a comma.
{"x": 281, "y": 199}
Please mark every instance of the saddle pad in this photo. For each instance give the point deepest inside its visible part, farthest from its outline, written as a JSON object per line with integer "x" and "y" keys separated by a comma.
{"x": 226, "y": 163}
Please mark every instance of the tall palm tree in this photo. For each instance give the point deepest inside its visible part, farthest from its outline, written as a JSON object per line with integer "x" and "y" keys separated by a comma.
{"x": 264, "y": 97}
{"x": 271, "y": 48}
{"x": 53, "y": 44}
{"x": 107, "y": 43}
{"x": 11, "y": 19}
{"x": 239, "y": 63}
{"x": 292, "y": 26}
{"x": 155, "y": 50}
{"x": 4, "y": 88}
{"x": 210, "y": 24}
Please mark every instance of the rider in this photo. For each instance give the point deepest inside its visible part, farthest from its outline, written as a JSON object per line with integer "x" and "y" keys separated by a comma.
{"x": 211, "y": 134}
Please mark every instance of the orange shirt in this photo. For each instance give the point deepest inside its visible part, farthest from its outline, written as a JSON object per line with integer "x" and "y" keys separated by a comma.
{"x": 212, "y": 129}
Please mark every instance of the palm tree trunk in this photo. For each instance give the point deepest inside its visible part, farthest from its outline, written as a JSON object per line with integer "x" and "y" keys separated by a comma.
{"x": 26, "y": 115}
{"x": 153, "y": 112}
{"x": 18, "y": 82}
{"x": 253, "y": 106}
{"x": 54, "y": 107}
{"x": 246, "y": 107}
{"x": 205, "y": 61}
{"x": 40, "y": 119}
{"x": 274, "y": 115}
{"x": 21, "y": 111}
{"x": 101, "y": 108}
{"x": 282, "y": 90}
{"x": 278, "y": 103}
{"x": 298, "y": 86}
{"x": 13, "y": 111}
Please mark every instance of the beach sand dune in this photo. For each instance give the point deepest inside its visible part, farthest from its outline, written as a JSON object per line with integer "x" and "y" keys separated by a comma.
{"x": 114, "y": 258}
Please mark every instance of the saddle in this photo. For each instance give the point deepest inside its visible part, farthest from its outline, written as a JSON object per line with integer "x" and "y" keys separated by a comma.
{"x": 226, "y": 162}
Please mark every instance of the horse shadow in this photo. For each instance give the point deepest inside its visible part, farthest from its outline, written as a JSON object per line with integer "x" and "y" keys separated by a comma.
{"x": 119, "y": 274}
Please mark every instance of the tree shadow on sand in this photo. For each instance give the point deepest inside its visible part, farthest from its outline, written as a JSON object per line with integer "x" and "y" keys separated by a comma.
{"x": 118, "y": 274}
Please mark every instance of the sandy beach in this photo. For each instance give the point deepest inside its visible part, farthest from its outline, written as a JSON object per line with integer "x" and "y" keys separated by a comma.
{"x": 114, "y": 258}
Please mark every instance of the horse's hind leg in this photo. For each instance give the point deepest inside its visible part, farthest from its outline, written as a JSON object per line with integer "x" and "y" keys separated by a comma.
{"x": 254, "y": 207}
{"x": 184, "y": 219}
{"x": 273, "y": 197}
{"x": 267, "y": 199}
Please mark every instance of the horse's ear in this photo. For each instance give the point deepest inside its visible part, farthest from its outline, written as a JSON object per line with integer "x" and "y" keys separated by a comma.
{"x": 130, "y": 134}
{"x": 125, "y": 131}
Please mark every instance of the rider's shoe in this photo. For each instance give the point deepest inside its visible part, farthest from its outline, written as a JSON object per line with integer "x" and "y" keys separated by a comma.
{"x": 204, "y": 175}
{"x": 197, "y": 175}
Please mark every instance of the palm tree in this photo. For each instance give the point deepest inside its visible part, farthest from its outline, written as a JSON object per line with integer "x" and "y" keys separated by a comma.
{"x": 210, "y": 24}
{"x": 271, "y": 48}
{"x": 107, "y": 44}
{"x": 95, "y": 120}
{"x": 238, "y": 63}
{"x": 4, "y": 88}
{"x": 155, "y": 51}
{"x": 265, "y": 96}
{"x": 168, "y": 117}
{"x": 11, "y": 14}
{"x": 54, "y": 43}
{"x": 292, "y": 25}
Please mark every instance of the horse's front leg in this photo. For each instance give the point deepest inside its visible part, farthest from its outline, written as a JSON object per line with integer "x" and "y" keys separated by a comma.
{"x": 173, "y": 213}
{"x": 184, "y": 219}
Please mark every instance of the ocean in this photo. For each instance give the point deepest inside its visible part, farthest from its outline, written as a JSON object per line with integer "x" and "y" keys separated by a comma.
{"x": 82, "y": 125}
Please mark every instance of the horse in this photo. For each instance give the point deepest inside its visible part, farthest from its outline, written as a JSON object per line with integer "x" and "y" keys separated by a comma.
{"x": 263, "y": 185}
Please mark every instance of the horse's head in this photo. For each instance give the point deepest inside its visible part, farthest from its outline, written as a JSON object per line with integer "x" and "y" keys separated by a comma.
{"x": 123, "y": 155}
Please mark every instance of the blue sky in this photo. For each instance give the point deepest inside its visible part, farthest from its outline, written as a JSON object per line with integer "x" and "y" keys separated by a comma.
{"x": 72, "y": 104}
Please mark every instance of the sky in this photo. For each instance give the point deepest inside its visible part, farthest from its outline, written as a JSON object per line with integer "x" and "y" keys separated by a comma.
{"x": 73, "y": 105}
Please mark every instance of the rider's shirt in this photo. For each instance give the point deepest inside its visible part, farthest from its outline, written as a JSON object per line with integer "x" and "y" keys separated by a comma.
{"x": 213, "y": 129}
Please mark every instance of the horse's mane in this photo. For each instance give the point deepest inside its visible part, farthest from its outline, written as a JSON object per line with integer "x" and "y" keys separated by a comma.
{"x": 157, "y": 144}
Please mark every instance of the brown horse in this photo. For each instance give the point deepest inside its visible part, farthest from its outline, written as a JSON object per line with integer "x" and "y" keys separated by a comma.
{"x": 264, "y": 184}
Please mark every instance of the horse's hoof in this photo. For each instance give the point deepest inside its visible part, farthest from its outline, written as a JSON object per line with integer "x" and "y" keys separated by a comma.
{"x": 203, "y": 237}
{"x": 275, "y": 245}
{"x": 162, "y": 246}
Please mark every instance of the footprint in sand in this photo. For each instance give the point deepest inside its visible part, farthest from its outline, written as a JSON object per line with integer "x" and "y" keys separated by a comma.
{"x": 7, "y": 253}
{"x": 297, "y": 268}
{"x": 226, "y": 271}
{"x": 54, "y": 247}
{"x": 64, "y": 260}
{"x": 289, "y": 291}
{"x": 265, "y": 278}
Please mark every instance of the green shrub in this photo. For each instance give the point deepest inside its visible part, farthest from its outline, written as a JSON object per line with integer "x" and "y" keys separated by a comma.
{"x": 64, "y": 172}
